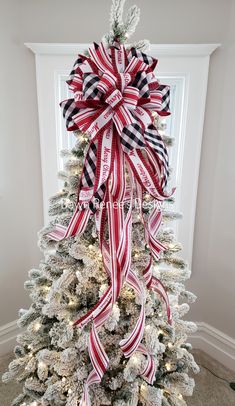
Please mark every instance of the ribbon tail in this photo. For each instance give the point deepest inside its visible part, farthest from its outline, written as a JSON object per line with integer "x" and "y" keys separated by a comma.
{"x": 151, "y": 229}
{"x": 77, "y": 225}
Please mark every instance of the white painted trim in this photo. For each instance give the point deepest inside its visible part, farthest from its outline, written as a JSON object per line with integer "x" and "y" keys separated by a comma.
{"x": 8, "y": 334}
{"x": 160, "y": 49}
{"x": 214, "y": 342}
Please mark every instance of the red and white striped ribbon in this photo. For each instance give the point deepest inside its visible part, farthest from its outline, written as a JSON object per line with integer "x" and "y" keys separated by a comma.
{"x": 109, "y": 106}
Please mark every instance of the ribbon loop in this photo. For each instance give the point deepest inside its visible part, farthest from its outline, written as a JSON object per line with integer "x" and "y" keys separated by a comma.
{"x": 115, "y": 99}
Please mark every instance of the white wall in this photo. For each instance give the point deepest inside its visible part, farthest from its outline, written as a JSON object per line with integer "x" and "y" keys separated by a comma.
{"x": 213, "y": 261}
{"x": 180, "y": 21}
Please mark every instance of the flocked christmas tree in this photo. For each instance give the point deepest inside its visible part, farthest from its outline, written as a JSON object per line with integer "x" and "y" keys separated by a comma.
{"x": 61, "y": 362}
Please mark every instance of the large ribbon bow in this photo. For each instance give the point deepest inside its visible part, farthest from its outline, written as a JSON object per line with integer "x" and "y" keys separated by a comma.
{"x": 115, "y": 92}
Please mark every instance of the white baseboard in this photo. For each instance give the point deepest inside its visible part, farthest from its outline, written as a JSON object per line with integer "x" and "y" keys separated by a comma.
{"x": 8, "y": 334}
{"x": 208, "y": 339}
{"x": 215, "y": 343}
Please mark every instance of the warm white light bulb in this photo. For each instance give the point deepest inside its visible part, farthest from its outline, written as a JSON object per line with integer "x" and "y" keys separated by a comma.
{"x": 71, "y": 323}
{"x": 63, "y": 379}
{"x": 180, "y": 396}
{"x": 168, "y": 366}
{"x": 41, "y": 364}
{"x": 37, "y": 326}
{"x": 170, "y": 345}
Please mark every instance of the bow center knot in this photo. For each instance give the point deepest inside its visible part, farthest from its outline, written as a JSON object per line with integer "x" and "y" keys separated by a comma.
{"x": 115, "y": 99}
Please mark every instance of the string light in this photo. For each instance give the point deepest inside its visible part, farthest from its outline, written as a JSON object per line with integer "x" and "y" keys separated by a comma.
{"x": 170, "y": 345}
{"x": 63, "y": 379}
{"x": 66, "y": 201}
{"x": 180, "y": 396}
{"x": 71, "y": 323}
{"x": 168, "y": 366}
{"x": 147, "y": 327}
{"x": 166, "y": 392}
{"x": 134, "y": 359}
{"x": 41, "y": 364}
{"x": 90, "y": 247}
{"x": 160, "y": 314}
{"x": 160, "y": 332}
{"x": 71, "y": 302}
{"x": 70, "y": 391}
{"x": 37, "y": 326}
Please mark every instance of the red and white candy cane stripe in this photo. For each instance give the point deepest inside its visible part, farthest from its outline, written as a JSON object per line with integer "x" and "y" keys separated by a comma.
{"x": 101, "y": 58}
{"x": 130, "y": 344}
{"x": 150, "y": 369}
{"x": 151, "y": 229}
{"x": 77, "y": 225}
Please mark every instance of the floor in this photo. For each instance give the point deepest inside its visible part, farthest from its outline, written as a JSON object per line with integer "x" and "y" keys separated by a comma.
{"x": 209, "y": 390}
